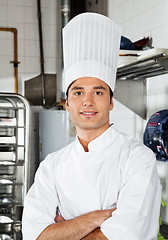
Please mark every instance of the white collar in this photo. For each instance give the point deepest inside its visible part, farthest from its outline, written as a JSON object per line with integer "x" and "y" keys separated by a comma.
{"x": 98, "y": 142}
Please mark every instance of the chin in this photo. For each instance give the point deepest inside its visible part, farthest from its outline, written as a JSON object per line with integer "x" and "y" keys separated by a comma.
{"x": 90, "y": 126}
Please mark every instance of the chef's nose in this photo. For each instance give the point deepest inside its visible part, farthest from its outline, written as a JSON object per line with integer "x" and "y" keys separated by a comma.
{"x": 88, "y": 100}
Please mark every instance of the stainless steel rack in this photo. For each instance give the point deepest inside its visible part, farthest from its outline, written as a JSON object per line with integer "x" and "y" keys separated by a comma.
{"x": 132, "y": 73}
{"x": 144, "y": 68}
{"x": 14, "y": 162}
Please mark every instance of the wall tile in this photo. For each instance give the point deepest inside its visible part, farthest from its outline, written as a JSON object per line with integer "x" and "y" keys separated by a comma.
{"x": 49, "y": 3}
{"x": 3, "y": 2}
{"x": 20, "y": 30}
{"x": 157, "y": 97}
{"x": 32, "y": 48}
{"x": 59, "y": 67}
{"x": 20, "y": 83}
{"x": 58, "y": 50}
{"x": 115, "y": 3}
{"x": 31, "y": 32}
{"x": 49, "y": 32}
{"x": 30, "y": 15}
{"x": 3, "y": 14}
{"x": 15, "y": 2}
{"x": 140, "y": 19}
{"x": 135, "y": 7}
{"x": 58, "y": 19}
{"x": 15, "y": 14}
{"x": 4, "y": 46}
{"x": 3, "y": 35}
{"x": 10, "y": 47}
{"x": 157, "y": 16}
{"x": 7, "y": 82}
{"x": 32, "y": 65}
{"x": 119, "y": 14}
{"x": 50, "y": 65}
{"x": 5, "y": 65}
{"x": 160, "y": 36}
{"x": 49, "y": 16}
{"x": 30, "y": 3}
{"x": 21, "y": 48}
{"x": 49, "y": 49}
{"x": 21, "y": 66}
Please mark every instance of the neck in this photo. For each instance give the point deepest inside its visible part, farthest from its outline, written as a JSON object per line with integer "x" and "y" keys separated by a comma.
{"x": 86, "y": 136}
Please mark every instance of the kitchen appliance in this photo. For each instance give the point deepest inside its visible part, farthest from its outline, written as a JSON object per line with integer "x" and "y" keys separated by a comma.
{"x": 156, "y": 134}
{"x": 156, "y": 138}
{"x": 56, "y": 131}
{"x": 14, "y": 162}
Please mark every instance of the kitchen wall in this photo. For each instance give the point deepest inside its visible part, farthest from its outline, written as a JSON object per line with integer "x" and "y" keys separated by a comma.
{"x": 22, "y": 14}
{"x": 141, "y": 18}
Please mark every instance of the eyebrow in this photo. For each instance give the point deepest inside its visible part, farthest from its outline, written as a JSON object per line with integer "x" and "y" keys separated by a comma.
{"x": 100, "y": 87}
{"x": 97, "y": 87}
{"x": 77, "y": 88}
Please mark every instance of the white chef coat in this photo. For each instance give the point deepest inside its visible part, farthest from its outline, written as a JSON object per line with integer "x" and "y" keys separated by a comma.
{"x": 118, "y": 171}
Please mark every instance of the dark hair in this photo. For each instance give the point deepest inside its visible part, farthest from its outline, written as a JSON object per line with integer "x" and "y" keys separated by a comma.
{"x": 67, "y": 92}
{"x": 111, "y": 93}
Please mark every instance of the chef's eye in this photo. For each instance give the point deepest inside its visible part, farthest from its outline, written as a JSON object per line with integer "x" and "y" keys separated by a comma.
{"x": 98, "y": 93}
{"x": 78, "y": 93}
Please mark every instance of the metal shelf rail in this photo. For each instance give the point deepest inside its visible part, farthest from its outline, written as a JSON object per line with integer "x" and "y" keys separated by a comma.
{"x": 134, "y": 68}
{"x": 14, "y": 162}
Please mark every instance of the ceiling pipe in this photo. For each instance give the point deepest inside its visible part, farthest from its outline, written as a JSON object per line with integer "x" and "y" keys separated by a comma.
{"x": 15, "y": 62}
{"x": 41, "y": 54}
{"x": 65, "y": 17}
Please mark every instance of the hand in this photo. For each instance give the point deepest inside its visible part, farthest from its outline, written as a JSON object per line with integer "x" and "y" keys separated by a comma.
{"x": 96, "y": 235}
{"x": 58, "y": 218}
{"x": 99, "y": 216}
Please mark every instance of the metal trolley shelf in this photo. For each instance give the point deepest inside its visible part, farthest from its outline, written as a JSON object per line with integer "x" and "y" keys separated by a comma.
{"x": 14, "y": 162}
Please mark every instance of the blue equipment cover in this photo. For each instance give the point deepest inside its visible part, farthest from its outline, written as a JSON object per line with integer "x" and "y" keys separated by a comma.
{"x": 156, "y": 134}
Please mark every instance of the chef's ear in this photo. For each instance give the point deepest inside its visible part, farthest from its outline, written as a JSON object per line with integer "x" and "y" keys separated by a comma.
{"x": 111, "y": 104}
{"x": 67, "y": 105}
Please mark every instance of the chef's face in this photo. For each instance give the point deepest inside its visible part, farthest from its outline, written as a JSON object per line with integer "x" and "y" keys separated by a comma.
{"x": 89, "y": 104}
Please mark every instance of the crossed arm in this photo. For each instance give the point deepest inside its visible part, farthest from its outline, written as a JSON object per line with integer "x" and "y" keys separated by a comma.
{"x": 85, "y": 227}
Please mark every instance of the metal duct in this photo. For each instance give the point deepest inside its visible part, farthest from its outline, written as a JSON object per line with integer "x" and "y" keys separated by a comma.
{"x": 65, "y": 15}
{"x": 41, "y": 53}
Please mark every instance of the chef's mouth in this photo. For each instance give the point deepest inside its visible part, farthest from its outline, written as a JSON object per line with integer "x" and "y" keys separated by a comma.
{"x": 88, "y": 113}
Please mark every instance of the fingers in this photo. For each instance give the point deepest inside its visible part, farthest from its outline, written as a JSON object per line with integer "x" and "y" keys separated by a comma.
{"x": 113, "y": 209}
{"x": 110, "y": 211}
{"x": 59, "y": 218}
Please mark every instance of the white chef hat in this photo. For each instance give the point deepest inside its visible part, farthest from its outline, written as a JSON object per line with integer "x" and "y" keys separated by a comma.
{"x": 90, "y": 48}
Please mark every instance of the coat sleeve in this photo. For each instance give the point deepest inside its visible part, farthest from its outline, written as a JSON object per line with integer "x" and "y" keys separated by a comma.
{"x": 40, "y": 203}
{"x": 138, "y": 205}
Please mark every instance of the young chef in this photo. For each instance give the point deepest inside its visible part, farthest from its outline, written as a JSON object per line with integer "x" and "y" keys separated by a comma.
{"x": 104, "y": 185}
